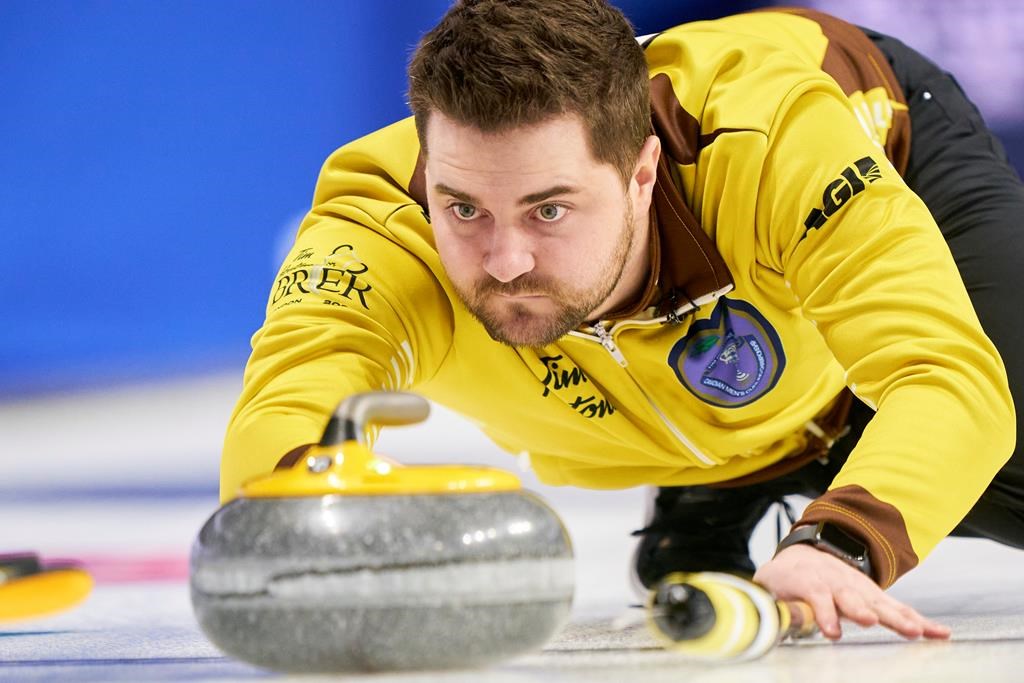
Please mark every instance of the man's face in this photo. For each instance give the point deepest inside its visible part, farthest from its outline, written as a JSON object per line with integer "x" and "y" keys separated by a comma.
{"x": 534, "y": 233}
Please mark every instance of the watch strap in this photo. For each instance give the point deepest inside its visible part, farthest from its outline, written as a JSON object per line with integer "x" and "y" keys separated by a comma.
{"x": 825, "y": 536}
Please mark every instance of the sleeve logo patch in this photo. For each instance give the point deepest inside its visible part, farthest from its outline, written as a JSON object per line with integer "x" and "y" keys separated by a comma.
{"x": 850, "y": 183}
{"x": 340, "y": 275}
{"x": 730, "y": 359}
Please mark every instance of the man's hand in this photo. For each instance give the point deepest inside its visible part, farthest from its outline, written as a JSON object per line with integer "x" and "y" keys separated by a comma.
{"x": 835, "y": 590}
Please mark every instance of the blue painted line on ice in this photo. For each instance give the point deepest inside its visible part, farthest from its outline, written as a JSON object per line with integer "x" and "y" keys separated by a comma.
{"x": 33, "y": 380}
{"x": 114, "y": 661}
{"x": 131, "y": 669}
{"x": 106, "y": 494}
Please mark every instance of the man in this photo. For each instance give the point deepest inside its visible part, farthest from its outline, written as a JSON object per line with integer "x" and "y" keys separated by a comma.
{"x": 688, "y": 262}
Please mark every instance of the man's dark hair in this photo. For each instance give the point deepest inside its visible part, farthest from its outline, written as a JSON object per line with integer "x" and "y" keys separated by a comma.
{"x": 501, "y": 64}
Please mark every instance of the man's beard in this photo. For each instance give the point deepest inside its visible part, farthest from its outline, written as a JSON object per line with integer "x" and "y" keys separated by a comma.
{"x": 515, "y": 324}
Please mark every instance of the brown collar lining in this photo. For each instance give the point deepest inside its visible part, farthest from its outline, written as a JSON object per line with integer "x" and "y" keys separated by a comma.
{"x": 686, "y": 267}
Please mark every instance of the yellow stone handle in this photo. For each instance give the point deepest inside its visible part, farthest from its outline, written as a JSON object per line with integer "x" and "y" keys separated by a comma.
{"x": 342, "y": 463}
{"x": 385, "y": 408}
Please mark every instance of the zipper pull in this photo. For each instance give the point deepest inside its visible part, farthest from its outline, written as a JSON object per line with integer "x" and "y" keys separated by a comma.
{"x": 608, "y": 344}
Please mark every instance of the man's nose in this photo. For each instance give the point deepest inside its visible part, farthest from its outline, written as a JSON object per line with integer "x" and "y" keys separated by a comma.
{"x": 510, "y": 254}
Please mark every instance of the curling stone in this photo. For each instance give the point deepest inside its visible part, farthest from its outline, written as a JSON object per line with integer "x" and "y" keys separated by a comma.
{"x": 348, "y": 561}
{"x": 718, "y": 617}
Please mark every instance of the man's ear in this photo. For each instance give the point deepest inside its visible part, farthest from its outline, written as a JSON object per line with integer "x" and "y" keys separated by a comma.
{"x": 645, "y": 172}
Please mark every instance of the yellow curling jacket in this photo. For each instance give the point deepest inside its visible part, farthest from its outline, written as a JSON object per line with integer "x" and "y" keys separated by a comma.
{"x": 791, "y": 260}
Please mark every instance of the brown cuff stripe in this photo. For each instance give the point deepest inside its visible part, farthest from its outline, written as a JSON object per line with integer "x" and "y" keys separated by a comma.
{"x": 879, "y": 525}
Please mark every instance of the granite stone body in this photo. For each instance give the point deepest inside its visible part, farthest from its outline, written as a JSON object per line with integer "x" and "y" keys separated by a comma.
{"x": 365, "y": 583}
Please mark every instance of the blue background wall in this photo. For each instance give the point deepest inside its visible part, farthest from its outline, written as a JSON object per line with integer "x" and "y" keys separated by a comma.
{"x": 155, "y": 153}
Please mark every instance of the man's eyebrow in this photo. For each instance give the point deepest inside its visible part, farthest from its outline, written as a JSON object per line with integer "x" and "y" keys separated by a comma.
{"x": 532, "y": 198}
{"x": 457, "y": 194}
{"x": 548, "y": 194}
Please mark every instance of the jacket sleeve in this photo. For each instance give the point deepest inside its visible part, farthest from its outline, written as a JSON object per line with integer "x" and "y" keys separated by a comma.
{"x": 866, "y": 264}
{"x": 353, "y": 309}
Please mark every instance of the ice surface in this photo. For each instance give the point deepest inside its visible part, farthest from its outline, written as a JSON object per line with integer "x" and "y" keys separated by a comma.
{"x": 147, "y": 498}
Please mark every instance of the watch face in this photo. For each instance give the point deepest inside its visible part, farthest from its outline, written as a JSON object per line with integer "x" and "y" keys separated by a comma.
{"x": 842, "y": 541}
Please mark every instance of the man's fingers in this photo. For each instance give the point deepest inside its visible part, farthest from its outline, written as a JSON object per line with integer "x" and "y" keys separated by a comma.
{"x": 854, "y": 607}
{"x": 935, "y": 630}
{"x": 825, "y": 613}
{"x": 830, "y": 605}
{"x": 908, "y": 628}
{"x": 928, "y": 628}
{"x": 907, "y": 622}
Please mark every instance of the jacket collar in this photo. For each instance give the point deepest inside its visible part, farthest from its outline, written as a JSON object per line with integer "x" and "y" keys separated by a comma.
{"x": 687, "y": 270}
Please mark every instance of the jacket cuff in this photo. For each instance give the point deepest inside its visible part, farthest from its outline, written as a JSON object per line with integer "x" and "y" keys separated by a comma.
{"x": 880, "y": 526}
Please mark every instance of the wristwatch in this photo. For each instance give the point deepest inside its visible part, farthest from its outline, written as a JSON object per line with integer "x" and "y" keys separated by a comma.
{"x": 833, "y": 540}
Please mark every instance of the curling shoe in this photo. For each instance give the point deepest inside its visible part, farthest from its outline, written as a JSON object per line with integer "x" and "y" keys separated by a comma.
{"x": 697, "y": 529}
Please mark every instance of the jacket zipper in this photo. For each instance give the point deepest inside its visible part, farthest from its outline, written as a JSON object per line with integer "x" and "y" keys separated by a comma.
{"x": 609, "y": 344}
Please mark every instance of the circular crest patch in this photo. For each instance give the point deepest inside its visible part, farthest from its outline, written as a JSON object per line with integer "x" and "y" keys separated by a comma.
{"x": 730, "y": 359}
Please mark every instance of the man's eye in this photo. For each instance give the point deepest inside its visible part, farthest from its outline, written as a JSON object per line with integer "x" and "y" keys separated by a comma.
{"x": 551, "y": 212}
{"x": 464, "y": 212}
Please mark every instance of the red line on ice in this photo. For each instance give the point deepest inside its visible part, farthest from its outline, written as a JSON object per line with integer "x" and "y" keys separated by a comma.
{"x": 131, "y": 568}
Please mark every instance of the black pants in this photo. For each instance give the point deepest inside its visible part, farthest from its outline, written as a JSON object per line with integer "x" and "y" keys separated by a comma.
{"x": 961, "y": 172}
